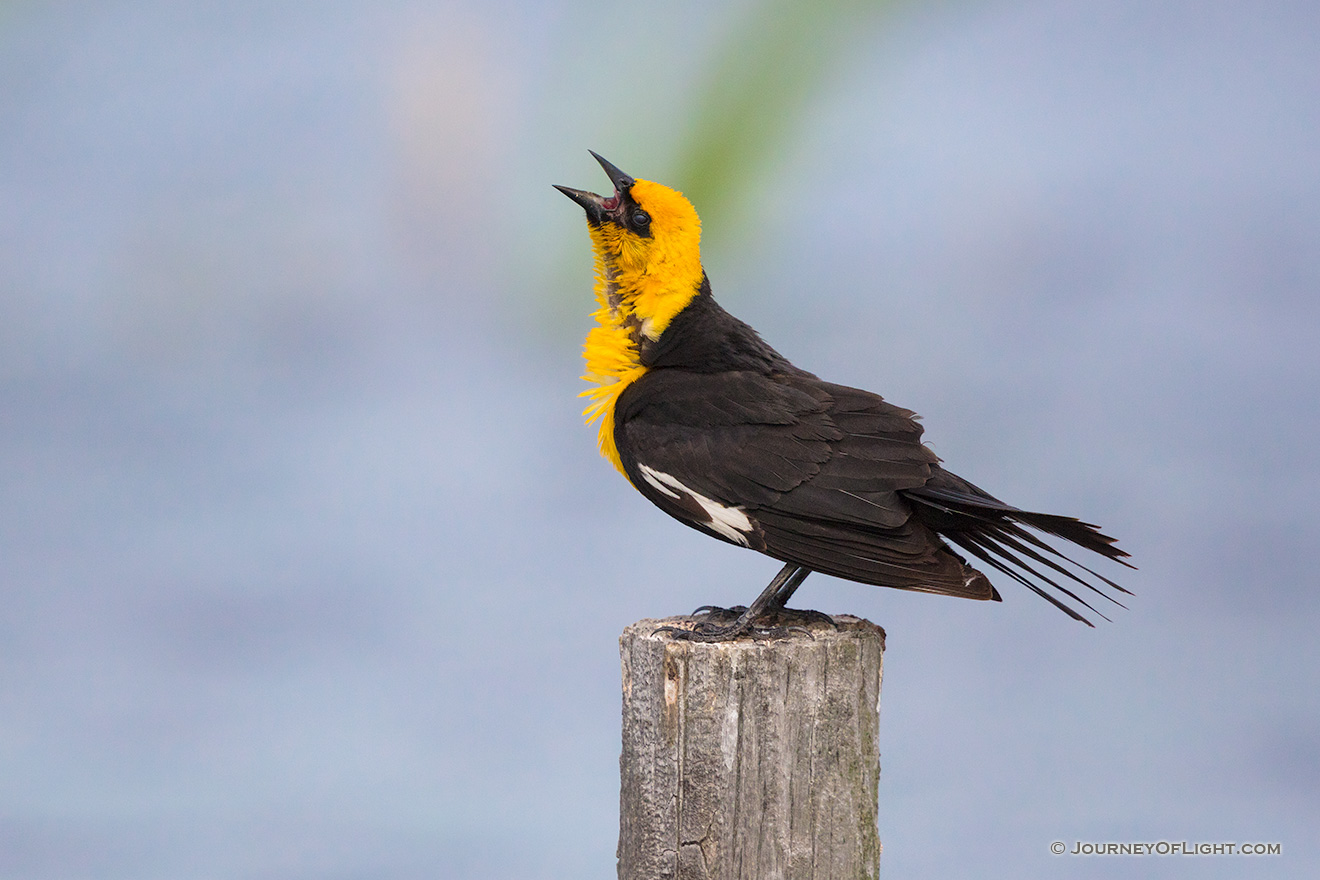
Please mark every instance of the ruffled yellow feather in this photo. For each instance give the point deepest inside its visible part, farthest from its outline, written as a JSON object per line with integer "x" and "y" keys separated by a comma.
{"x": 641, "y": 284}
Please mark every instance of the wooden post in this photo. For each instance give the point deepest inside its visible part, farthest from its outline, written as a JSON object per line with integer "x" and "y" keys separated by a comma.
{"x": 750, "y": 760}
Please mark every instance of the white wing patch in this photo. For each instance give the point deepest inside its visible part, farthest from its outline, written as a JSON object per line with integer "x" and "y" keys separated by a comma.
{"x": 731, "y": 522}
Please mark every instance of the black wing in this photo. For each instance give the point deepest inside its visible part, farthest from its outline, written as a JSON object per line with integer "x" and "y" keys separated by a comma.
{"x": 802, "y": 470}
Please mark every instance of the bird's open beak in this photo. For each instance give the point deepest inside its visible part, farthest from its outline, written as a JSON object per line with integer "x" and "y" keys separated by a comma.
{"x": 593, "y": 204}
{"x": 622, "y": 182}
{"x": 599, "y": 208}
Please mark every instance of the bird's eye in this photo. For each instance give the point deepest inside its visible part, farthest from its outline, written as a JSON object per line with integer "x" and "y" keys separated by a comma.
{"x": 641, "y": 218}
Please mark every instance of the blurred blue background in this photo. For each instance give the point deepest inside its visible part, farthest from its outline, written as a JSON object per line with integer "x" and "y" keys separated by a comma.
{"x": 310, "y": 569}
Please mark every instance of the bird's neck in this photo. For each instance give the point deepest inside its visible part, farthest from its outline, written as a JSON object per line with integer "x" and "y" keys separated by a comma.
{"x": 634, "y": 306}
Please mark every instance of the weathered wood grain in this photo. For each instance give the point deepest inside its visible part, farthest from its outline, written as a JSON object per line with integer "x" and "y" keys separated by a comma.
{"x": 754, "y": 760}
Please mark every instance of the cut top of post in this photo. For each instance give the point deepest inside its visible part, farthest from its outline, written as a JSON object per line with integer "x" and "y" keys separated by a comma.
{"x": 750, "y": 758}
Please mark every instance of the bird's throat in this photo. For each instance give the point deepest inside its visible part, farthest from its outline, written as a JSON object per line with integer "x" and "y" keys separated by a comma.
{"x": 635, "y": 301}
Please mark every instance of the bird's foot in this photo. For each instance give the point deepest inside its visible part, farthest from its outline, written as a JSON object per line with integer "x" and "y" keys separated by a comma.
{"x": 804, "y": 617}
{"x": 725, "y": 624}
{"x": 705, "y": 631}
{"x": 712, "y": 612}
{"x": 780, "y": 616}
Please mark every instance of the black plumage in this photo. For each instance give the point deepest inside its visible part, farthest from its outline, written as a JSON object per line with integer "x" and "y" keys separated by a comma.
{"x": 830, "y": 478}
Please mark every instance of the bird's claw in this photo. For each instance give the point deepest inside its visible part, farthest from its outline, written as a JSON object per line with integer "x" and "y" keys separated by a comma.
{"x": 719, "y": 611}
{"x": 781, "y": 624}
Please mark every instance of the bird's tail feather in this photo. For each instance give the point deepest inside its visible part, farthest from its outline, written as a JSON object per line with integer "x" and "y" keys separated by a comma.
{"x": 996, "y": 534}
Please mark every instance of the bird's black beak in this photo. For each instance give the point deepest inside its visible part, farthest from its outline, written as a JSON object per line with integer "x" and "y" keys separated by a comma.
{"x": 593, "y": 204}
{"x": 600, "y": 208}
{"x": 622, "y": 182}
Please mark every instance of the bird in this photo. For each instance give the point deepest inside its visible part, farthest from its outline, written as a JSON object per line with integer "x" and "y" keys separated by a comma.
{"x": 720, "y": 431}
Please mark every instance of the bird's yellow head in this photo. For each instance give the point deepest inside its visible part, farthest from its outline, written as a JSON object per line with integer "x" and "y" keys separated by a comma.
{"x": 647, "y": 239}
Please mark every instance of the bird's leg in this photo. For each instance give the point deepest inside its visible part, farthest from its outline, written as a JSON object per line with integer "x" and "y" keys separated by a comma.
{"x": 788, "y": 587}
{"x": 772, "y": 598}
{"x": 770, "y": 604}
{"x": 797, "y": 615}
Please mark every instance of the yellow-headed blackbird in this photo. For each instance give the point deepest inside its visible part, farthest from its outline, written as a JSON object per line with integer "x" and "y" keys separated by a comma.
{"x": 722, "y": 433}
